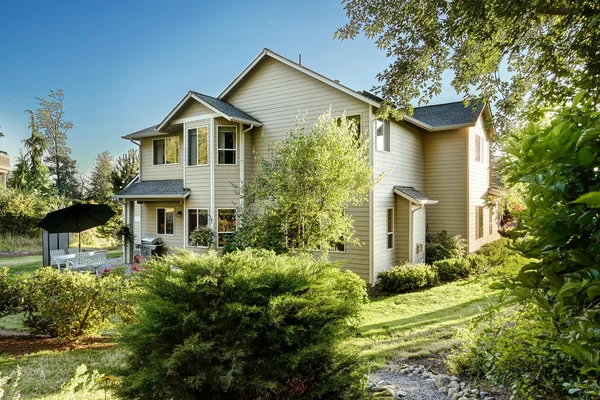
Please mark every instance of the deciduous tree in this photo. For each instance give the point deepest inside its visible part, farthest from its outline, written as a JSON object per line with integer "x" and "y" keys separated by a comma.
{"x": 549, "y": 49}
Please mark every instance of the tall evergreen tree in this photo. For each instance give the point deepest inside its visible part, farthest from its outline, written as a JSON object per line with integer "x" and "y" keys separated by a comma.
{"x": 100, "y": 186}
{"x": 125, "y": 170}
{"x": 18, "y": 177}
{"x": 36, "y": 144}
{"x": 50, "y": 118}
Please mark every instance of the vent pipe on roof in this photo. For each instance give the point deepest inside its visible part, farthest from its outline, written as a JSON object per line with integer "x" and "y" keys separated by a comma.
{"x": 299, "y": 59}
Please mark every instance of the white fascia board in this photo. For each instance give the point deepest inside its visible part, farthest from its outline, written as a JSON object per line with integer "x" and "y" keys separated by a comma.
{"x": 154, "y": 196}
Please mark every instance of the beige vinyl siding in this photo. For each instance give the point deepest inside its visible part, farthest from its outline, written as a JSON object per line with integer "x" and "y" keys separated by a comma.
{"x": 226, "y": 175}
{"x": 150, "y": 172}
{"x": 276, "y": 94}
{"x": 479, "y": 182}
{"x": 403, "y": 166}
{"x": 192, "y": 109}
{"x": 148, "y": 228}
{"x": 446, "y": 180}
{"x": 402, "y": 229}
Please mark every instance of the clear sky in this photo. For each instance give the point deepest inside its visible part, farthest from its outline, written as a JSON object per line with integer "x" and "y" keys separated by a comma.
{"x": 123, "y": 65}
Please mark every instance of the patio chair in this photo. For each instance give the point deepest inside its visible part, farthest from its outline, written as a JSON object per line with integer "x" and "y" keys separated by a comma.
{"x": 59, "y": 252}
{"x": 98, "y": 259}
{"x": 81, "y": 262}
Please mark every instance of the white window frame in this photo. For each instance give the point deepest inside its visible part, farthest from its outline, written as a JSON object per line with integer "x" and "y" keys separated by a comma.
{"x": 392, "y": 232}
{"x": 479, "y": 223}
{"x": 207, "y": 145}
{"x": 479, "y": 149}
{"x": 387, "y": 130}
{"x": 165, "y": 151}
{"x": 218, "y": 231}
{"x": 165, "y": 221}
{"x": 187, "y": 215}
{"x": 222, "y": 149}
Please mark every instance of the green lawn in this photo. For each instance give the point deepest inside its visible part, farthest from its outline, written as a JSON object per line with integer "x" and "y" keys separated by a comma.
{"x": 422, "y": 323}
{"x": 20, "y": 265}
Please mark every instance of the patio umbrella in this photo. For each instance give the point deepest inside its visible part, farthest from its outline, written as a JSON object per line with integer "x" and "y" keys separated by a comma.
{"x": 77, "y": 218}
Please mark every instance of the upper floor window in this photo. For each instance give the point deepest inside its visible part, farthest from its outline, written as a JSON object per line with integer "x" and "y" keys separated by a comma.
{"x": 382, "y": 135}
{"x": 356, "y": 120}
{"x": 165, "y": 222}
{"x": 165, "y": 151}
{"x": 198, "y": 146}
{"x": 226, "y": 144}
{"x": 479, "y": 148}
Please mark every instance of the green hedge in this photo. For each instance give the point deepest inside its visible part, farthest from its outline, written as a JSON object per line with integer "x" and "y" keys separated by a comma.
{"x": 452, "y": 269}
{"x": 246, "y": 325}
{"x": 405, "y": 277}
{"x": 21, "y": 212}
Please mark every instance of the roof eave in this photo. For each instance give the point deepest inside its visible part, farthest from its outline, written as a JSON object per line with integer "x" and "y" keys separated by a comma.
{"x": 414, "y": 200}
{"x": 153, "y": 196}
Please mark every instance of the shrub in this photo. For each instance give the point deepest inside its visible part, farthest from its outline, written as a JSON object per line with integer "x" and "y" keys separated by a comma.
{"x": 21, "y": 212}
{"x": 478, "y": 263}
{"x": 514, "y": 347}
{"x": 9, "y": 293}
{"x": 249, "y": 324}
{"x": 202, "y": 236}
{"x": 405, "y": 277}
{"x": 71, "y": 305}
{"x": 441, "y": 246}
{"x": 452, "y": 269}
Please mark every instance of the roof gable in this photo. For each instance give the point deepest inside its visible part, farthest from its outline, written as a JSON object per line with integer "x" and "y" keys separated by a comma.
{"x": 448, "y": 115}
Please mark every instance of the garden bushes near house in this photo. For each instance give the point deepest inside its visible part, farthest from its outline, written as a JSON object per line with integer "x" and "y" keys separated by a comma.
{"x": 249, "y": 324}
{"x": 441, "y": 246}
{"x": 407, "y": 276}
{"x": 67, "y": 305}
{"x": 452, "y": 269}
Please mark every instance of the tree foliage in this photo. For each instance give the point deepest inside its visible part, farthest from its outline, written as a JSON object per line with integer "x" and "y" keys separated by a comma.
{"x": 99, "y": 186}
{"x": 50, "y": 117}
{"x": 308, "y": 180}
{"x": 557, "y": 164}
{"x": 126, "y": 168}
{"x": 550, "y": 49}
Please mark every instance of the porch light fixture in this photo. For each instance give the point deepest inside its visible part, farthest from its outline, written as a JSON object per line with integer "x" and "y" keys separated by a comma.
{"x": 178, "y": 214}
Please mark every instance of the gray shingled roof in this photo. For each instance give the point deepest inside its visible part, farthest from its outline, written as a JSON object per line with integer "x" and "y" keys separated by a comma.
{"x": 414, "y": 195}
{"x": 146, "y": 189}
{"x": 448, "y": 114}
{"x": 225, "y": 107}
{"x": 144, "y": 131}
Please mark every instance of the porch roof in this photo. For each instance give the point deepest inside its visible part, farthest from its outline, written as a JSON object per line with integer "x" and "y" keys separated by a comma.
{"x": 172, "y": 189}
{"x": 413, "y": 195}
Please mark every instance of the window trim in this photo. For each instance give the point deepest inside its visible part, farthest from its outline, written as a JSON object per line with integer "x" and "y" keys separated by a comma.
{"x": 165, "y": 147}
{"x": 235, "y": 142}
{"x": 207, "y": 145}
{"x": 389, "y": 135}
{"x": 218, "y": 232}
{"x": 165, "y": 221}
{"x": 393, "y": 231}
{"x": 479, "y": 223}
{"x": 187, "y": 216}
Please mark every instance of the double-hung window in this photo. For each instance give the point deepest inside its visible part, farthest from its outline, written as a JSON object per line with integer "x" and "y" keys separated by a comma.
{"x": 165, "y": 221}
{"x": 382, "y": 135}
{"x": 226, "y": 225}
{"x": 165, "y": 151}
{"x": 196, "y": 218}
{"x": 198, "y": 146}
{"x": 390, "y": 228}
{"x": 227, "y": 145}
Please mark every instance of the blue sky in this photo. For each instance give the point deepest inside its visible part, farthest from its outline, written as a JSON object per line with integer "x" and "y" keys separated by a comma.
{"x": 125, "y": 64}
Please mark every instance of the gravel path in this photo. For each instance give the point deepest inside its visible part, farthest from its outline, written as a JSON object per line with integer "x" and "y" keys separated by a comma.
{"x": 410, "y": 387}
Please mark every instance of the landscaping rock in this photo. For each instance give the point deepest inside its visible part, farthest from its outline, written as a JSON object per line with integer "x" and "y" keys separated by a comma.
{"x": 441, "y": 380}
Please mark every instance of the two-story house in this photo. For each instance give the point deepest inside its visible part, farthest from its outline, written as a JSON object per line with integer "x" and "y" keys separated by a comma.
{"x": 437, "y": 163}
{"x": 4, "y": 168}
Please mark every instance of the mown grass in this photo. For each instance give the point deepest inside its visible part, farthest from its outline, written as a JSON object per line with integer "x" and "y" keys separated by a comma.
{"x": 20, "y": 265}
{"x": 422, "y": 323}
{"x": 10, "y": 242}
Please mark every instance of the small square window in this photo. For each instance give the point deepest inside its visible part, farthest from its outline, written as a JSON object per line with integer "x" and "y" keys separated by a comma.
{"x": 165, "y": 151}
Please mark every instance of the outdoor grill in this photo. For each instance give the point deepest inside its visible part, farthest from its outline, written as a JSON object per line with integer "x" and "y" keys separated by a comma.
{"x": 151, "y": 246}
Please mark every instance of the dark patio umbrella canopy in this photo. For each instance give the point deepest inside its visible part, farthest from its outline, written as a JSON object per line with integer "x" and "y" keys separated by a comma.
{"x": 77, "y": 218}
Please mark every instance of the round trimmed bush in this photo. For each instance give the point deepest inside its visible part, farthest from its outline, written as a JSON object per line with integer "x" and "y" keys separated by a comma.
{"x": 452, "y": 269}
{"x": 407, "y": 276}
{"x": 246, "y": 325}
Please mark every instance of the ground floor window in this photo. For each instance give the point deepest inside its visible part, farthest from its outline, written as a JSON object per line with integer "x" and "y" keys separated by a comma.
{"x": 197, "y": 219}
{"x": 479, "y": 221}
{"x": 225, "y": 226}
{"x": 165, "y": 221}
{"x": 390, "y": 228}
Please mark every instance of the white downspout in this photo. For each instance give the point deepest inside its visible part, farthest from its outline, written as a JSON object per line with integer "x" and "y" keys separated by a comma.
{"x": 243, "y": 161}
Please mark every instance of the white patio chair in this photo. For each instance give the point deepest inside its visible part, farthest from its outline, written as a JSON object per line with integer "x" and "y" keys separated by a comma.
{"x": 81, "y": 262}
{"x": 59, "y": 252}
{"x": 99, "y": 259}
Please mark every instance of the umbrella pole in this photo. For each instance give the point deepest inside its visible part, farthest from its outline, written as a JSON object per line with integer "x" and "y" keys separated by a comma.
{"x": 80, "y": 242}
